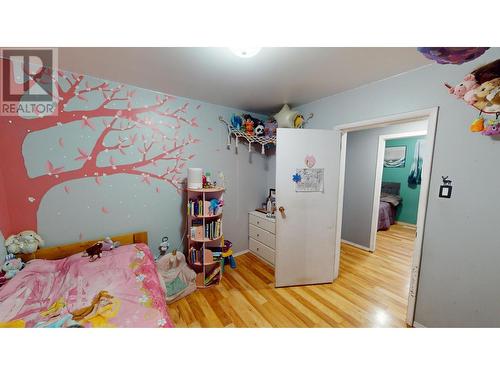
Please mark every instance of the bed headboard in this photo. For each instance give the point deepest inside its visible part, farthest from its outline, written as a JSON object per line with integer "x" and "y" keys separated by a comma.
{"x": 391, "y": 187}
{"x": 63, "y": 251}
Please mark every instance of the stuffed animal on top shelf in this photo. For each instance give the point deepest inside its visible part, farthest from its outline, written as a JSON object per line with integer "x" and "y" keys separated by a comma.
{"x": 259, "y": 130}
{"x": 249, "y": 126}
{"x": 236, "y": 121}
{"x": 270, "y": 127}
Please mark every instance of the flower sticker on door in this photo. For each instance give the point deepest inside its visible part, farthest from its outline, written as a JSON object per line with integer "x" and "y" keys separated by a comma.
{"x": 296, "y": 178}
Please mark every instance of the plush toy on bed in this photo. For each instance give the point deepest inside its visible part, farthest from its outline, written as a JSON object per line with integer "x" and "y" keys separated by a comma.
{"x": 11, "y": 266}
{"x": 94, "y": 252}
{"x": 108, "y": 244}
{"x": 25, "y": 242}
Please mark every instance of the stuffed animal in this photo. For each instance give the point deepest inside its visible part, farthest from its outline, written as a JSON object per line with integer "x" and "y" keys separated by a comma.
{"x": 108, "y": 244}
{"x": 464, "y": 90}
{"x": 259, "y": 130}
{"x": 25, "y": 242}
{"x": 214, "y": 205}
{"x": 492, "y": 129}
{"x": 487, "y": 96}
{"x": 13, "y": 245}
{"x": 236, "y": 121}
{"x": 164, "y": 246}
{"x": 249, "y": 126}
{"x": 11, "y": 267}
{"x": 94, "y": 252}
{"x": 270, "y": 128}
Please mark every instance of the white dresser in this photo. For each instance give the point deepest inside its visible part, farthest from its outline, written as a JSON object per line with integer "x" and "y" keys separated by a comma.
{"x": 262, "y": 236}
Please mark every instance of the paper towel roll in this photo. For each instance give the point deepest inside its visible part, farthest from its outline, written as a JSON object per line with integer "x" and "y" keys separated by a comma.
{"x": 195, "y": 178}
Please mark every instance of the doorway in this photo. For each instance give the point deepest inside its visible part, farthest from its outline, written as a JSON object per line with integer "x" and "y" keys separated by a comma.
{"x": 430, "y": 117}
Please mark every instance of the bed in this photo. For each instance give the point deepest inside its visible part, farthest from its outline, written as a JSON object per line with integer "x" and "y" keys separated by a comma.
{"x": 389, "y": 201}
{"x": 59, "y": 287}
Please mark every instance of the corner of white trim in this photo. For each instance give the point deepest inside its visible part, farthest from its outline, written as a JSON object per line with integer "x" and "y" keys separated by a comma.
{"x": 418, "y": 325}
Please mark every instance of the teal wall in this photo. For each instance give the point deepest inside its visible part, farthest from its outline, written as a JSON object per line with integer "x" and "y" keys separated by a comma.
{"x": 407, "y": 211}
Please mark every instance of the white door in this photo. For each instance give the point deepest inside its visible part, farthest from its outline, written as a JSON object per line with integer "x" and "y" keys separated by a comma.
{"x": 306, "y": 221}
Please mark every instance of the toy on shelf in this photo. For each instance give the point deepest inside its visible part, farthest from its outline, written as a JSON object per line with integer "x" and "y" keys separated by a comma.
{"x": 481, "y": 90}
{"x": 249, "y": 132}
{"x": 254, "y": 130}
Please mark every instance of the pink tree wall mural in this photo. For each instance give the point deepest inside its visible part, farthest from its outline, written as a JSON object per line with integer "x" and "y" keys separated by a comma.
{"x": 147, "y": 139}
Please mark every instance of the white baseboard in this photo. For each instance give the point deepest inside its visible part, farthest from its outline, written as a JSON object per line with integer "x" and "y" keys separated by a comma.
{"x": 356, "y": 245}
{"x": 418, "y": 325}
{"x": 240, "y": 253}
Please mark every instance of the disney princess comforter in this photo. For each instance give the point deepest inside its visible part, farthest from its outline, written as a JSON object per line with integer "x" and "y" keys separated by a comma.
{"x": 121, "y": 289}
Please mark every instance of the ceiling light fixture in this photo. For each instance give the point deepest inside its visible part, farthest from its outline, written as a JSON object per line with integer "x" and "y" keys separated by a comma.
{"x": 245, "y": 52}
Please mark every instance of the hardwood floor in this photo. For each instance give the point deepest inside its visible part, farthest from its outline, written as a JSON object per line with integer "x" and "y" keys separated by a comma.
{"x": 371, "y": 291}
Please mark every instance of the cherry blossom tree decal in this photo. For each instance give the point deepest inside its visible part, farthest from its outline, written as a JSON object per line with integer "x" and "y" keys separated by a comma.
{"x": 147, "y": 139}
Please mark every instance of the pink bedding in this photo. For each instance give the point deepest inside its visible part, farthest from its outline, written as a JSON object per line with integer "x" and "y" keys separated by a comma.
{"x": 122, "y": 289}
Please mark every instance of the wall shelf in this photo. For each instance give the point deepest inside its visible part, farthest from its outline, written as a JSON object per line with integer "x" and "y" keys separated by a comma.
{"x": 239, "y": 134}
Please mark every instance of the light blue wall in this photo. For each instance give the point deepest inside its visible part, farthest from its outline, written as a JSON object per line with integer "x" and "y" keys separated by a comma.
{"x": 76, "y": 213}
{"x": 359, "y": 184}
{"x": 408, "y": 209}
{"x": 459, "y": 275}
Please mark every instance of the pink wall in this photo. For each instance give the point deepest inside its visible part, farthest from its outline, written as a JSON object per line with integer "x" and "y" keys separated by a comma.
{"x": 4, "y": 216}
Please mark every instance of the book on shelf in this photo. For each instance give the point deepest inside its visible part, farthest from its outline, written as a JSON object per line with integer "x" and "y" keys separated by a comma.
{"x": 210, "y": 277}
{"x": 213, "y": 229}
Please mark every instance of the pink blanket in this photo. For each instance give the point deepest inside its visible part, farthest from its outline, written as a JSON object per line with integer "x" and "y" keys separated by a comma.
{"x": 122, "y": 289}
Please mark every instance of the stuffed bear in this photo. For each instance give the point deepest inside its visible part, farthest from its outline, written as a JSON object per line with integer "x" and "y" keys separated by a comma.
{"x": 11, "y": 267}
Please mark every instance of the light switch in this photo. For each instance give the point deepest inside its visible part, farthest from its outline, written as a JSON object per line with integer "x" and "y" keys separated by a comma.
{"x": 445, "y": 191}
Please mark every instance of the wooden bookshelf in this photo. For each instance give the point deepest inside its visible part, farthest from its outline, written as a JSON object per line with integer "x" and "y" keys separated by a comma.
{"x": 204, "y": 230}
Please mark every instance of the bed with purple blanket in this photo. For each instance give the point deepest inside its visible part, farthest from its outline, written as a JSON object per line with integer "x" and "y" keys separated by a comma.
{"x": 389, "y": 201}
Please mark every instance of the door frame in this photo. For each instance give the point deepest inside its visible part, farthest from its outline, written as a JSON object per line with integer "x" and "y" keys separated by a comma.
{"x": 378, "y": 180}
{"x": 429, "y": 114}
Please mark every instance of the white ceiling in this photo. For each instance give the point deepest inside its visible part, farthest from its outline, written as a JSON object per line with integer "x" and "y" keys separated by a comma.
{"x": 261, "y": 84}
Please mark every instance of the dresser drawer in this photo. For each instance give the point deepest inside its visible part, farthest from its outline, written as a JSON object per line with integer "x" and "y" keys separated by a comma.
{"x": 268, "y": 225}
{"x": 262, "y": 235}
{"x": 261, "y": 250}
